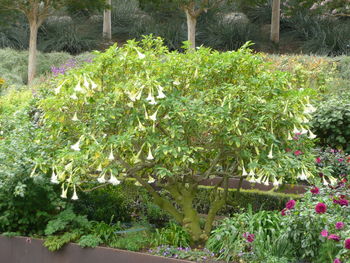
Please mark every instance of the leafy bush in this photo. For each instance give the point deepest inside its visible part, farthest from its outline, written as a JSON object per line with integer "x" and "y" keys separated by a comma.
{"x": 311, "y": 225}
{"x": 337, "y": 161}
{"x": 331, "y": 122}
{"x": 27, "y": 203}
{"x": 172, "y": 235}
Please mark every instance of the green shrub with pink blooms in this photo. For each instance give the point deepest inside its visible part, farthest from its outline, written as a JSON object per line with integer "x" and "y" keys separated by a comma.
{"x": 318, "y": 226}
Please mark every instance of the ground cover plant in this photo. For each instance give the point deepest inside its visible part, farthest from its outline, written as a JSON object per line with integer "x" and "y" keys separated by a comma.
{"x": 160, "y": 124}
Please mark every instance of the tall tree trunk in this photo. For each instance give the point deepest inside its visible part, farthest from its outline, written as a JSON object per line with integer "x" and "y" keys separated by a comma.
{"x": 107, "y": 21}
{"x": 275, "y": 21}
{"x": 191, "y": 28}
{"x": 34, "y": 26}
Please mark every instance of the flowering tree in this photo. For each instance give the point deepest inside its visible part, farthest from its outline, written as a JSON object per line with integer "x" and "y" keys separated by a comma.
{"x": 171, "y": 120}
{"x": 36, "y": 12}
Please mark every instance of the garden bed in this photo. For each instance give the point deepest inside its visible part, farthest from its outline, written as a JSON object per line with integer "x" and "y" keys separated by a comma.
{"x": 30, "y": 250}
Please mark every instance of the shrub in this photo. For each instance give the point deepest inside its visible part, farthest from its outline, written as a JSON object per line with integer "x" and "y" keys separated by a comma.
{"x": 331, "y": 122}
{"x": 337, "y": 161}
{"x": 156, "y": 131}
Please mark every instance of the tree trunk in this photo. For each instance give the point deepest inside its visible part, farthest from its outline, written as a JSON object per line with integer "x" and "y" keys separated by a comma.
{"x": 275, "y": 21}
{"x": 191, "y": 29}
{"x": 107, "y": 21}
{"x": 32, "y": 50}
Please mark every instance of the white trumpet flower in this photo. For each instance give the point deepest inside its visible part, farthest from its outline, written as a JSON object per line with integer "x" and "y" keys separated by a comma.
{"x": 150, "y": 156}
{"x": 54, "y": 178}
{"x": 78, "y": 88}
{"x": 276, "y": 182}
{"x": 113, "y": 180}
{"x": 251, "y": 172}
{"x": 266, "y": 182}
{"x": 176, "y": 82}
{"x": 111, "y": 156}
{"x": 312, "y": 135}
{"x": 74, "y": 96}
{"x": 244, "y": 172}
{"x": 137, "y": 183}
{"x": 151, "y": 180}
{"x": 302, "y": 176}
{"x": 309, "y": 109}
{"x": 75, "y": 117}
{"x": 290, "y": 137}
{"x": 101, "y": 179}
{"x": 93, "y": 85}
{"x": 58, "y": 89}
{"x": 76, "y": 147}
{"x": 305, "y": 120}
{"x": 295, "y": 130}
{"x": 303, "y": 130}
{"x": 153, "y": 117}
{"x": 75, "y": 196}
{"x": 161, "y": 94}
{"x": 99, "y": 168}
{"x": 325, "y": 183}
{"x": 140, "y": 55}
{"x": 64, "y": 192}
{"x": 332, "y": 180}
{"x": 270, "y": 156}
{"x": 86, "y": 83}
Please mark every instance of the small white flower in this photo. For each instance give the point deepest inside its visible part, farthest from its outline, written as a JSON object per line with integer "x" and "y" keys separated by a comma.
{"x": 258, "y": 180}
{"x": 74, "y": 96}
{"x": 151, "y": 180}
{"x": 93, "y": 85}
{"x": 101, "y": 179}
{"x": 276, "y": 182}
{"x": 54, "y": 178}
{"x": 137, "y": 183}
{"x": 76, "y": 147}
{"x": 303, "y": 130}
{"x": 75, "y": 117}
{"x": 150, "y": 156}
{"x": 305, "y": 120}
{"x": 302, "y": 176}
{"x": 312, "y": 135}
{"x": 78, "y": 88}
{"x": 146, "y": 114}
{"x": 176, "y": 82}
{"x": 332, "y": 180}
{"x": 99, "y": 168}
{"x": 58, "y": 89}
{"x": 324, "y": 181}
{"x": 86, "y": 83}
{"x": 141, "y": 127}
{"x": 266, "y": 182}
{"x": 153, "y": 102}
{"x": 290, "y": 137}
{"x": 309, "y": 109}
{"x": 113, "y": 180}
{"x": 64, "y": 192}
{"x": 153, "y": 117}
{"x": 111, "y": 156}
{"x": 270, "y": 156}
{"x": 161, "y": 94}
{"x": 140, "y": 55}
{"x": 295, "y": 130}
{"x": 75, "y": 196}
{"x": 244, "y": 172}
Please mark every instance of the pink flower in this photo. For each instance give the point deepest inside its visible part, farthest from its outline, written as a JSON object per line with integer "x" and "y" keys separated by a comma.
{"x": 324, "y": 233}
{"x": 347, "y": 243}
{"x": 340, "y": 160}
{"x": 283, "y": 212}
{"x": 321, "y": 208}
{"x": 339, "y": 225}
{"x": 343, "y": 202}
{"x": 318, "y": 160}
{"x": 290, "y": 204}
{"x": 315, "y": 190}
{"x": 249, "y": 237}
{"x": 337, "y": 260}
{"x": 334, "y": 237}
{"x": 297, "y": 153}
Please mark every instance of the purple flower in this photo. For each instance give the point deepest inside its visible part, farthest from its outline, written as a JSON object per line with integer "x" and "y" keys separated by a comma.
{"x": 339, "y": 225}
{"x": 321, "y": 208}
{"x": 336, "y": 260}
{"x": 315, "y": 190}
{"x": 290, "y": 204}
{"x": 334, "y": 237}
{"x": 324, "y": 233}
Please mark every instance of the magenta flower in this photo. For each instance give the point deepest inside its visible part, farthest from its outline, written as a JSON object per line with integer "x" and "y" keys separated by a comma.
{"x": 324, "y": 233}
{"x": 283, "y": 212}
{"x": 321, "y": 208}
{"x": 290, "y": 204}
{"x": 249, "y": 237}
{"x": 315, "y": 190}
{"x": 318, "y": 160}
{"x": 297, "y": 153}
{"x": 334, "y": 237}
{"x": 340, "y": 160}
{"x": 339, "y": 225}
{"x": 337, "y": 260}
{"x": 341, "y": 202}
{"x": 347, "y": 243}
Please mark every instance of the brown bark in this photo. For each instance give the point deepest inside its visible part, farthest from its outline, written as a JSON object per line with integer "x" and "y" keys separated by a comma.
{"x": 191, "y": 28}
{"x": 107, "y": 21}
{"x": 32, "y": 51}
{"x": 275, "y": 21}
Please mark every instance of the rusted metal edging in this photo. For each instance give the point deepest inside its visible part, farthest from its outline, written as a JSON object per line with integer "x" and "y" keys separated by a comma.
{"x": 29, "y": 250}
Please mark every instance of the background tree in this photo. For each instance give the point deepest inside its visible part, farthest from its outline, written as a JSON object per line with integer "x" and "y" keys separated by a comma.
{"x": 275, "y": 21}
{"x": 107, "y": 21}
{"x": 172, "y": 120}
{"x": 36, "y": 12}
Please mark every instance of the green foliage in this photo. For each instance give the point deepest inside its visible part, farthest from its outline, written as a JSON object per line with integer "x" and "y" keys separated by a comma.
{"x": 54, "y": 243}
{"x": 134, "y": 241}
{"x": 205, "y": 112}
{"x": 187, "y": 253}
{"x": 331, "y": 121}
{"x": 89, "y": 241}
{"x": 172, "y": 235}
{"x": 27, "y": 203}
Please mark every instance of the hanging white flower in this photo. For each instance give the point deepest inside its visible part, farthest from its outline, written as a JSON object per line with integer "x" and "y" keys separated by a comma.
{"x": 324, "y": 181}
{"x": 305, "y": 120}
{"x": 176, "y": 82}
{"x": 244, "y": 172}
{"x": 137, "y": 183}
{"x": 54, "y": 178}
{"x": 75, "y": 117}
{"x": 64, "y": 192}
{"x": 99, "y": 168}
{"x": 270, "y": 156}
{"x": 302, "y": 176}
{"x": 75, "y": 196}
{"x": 93, "y": 85}
{"x": 146, "y": 114}
{"x": 113, "y": 180}
{"x": 141, "y": 127}
{"x": 161, "y": 94}
{"x": 58, "y": 89}
{"x": 332, "y": 180}
{"x": 150, "y": 156}
{"x": 153, "y": 117}
{"x": 312, "y": 135}
{"x": 78, "y": 88}
{"x": 290, "y": 137}
{"x": 259, "y": 179}
{"x": 151, "y": 180}
{"x": 266, "y": 182}
{"x": 86, "y": 83}
{"x": 295, "y": 130}
{"x": 74, "y": 96}
{"x": 76, "y": 147}
{"x": 276, "y": 182}
{"x": 101, "y": 179}
{"x": 309, "y": 109}
{"x": 303, "y": 130}
{"x": 140, "y": 55}
{"x": 111, "y": 156}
